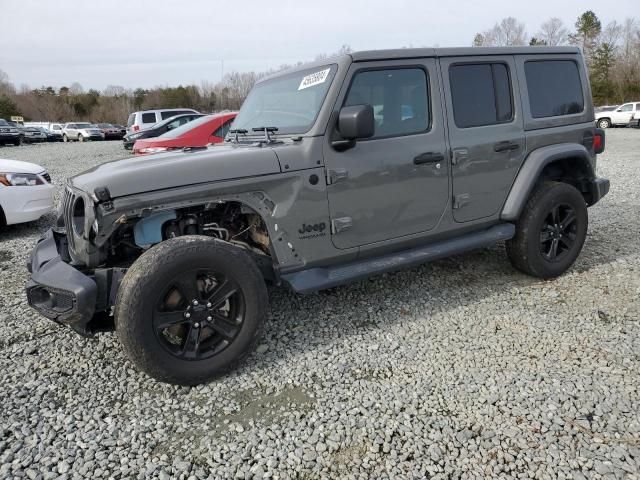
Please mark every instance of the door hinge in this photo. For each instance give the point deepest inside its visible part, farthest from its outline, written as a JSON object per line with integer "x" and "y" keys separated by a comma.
{"x": 459, "y": 155}
{"x": 341, "y": 224}
{"x": 460, "y": 201}
{"x": 336, "y": 175}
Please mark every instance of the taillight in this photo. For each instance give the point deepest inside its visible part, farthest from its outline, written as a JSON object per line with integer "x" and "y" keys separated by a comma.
{"x": 136, "y": 128}
{"x": 598, "y": 141}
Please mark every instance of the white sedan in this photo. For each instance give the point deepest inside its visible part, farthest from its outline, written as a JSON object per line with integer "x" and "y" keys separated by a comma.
{"x": 26, "y": 192}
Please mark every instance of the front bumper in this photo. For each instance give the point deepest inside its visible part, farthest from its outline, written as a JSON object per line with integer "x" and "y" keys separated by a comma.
{"x": 598, "y": 187}
{"x": 56, "y": 289}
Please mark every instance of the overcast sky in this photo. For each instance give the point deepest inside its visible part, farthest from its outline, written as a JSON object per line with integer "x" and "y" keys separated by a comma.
{"x": 169, "y": 42}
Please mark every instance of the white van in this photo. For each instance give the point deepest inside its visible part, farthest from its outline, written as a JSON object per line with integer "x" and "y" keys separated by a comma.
{"x": 144, "y": 119}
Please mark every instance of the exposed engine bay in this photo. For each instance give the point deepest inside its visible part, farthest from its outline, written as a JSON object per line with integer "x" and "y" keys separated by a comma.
{"x": 231, "y": 222}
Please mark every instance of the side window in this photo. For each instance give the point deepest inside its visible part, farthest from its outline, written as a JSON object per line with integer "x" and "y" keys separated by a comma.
{"x": 149, "y": 117}
{"x": 399, "y": 97}
{"x": 626, "y": 108}
{"x": 481, "y": 94}
{"x": 222, "y": 131}
{"x": 175, "y": 124}
{"x": 554, "y": 88}
{"x": 165, "y": 115}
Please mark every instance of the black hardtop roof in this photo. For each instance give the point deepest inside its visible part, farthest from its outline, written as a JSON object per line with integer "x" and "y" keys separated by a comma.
{"x": 399, "y": 53}
{"x": 408, "y": 53}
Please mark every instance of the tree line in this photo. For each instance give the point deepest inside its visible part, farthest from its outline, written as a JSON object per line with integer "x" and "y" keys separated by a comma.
{"x": 612, "y": 51}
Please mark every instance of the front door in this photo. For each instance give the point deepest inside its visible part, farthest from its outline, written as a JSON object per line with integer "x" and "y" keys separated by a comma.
{"x": 486, "y": 132}
{"x": 622, "y": 114}
{"x": 395, "y": 183}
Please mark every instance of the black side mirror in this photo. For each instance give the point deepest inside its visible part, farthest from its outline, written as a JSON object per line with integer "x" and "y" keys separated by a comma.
{"x": 354, "y": 123}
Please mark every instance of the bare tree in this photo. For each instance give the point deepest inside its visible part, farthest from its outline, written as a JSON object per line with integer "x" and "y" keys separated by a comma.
{"x": 76, "y": 88}
{"x": 506, "y": 33}
{"x": 553, "y": 32}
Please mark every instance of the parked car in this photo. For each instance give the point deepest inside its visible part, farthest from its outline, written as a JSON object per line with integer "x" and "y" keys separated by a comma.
{"x": 81, "y": 131}
{"x": 619, "y": 117}
{"x": 26, "y": 192}
{"x": 34, "y": 135}
{"x": 110, "y": 132}
{"x": 56, "y": 130}
{"x": 159, "y": 128}
{"x": 122, "y": 128}
{"x": 141, "y": 120}
{"x": 198, "y": 133}
{"x": 312, "y": 191}
{"x": 9, "y": 133}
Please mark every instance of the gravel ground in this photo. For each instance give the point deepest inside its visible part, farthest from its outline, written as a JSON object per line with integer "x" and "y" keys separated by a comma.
{"x": 462, "y": 368}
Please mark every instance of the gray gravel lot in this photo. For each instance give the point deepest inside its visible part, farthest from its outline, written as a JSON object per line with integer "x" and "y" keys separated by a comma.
{"x": 462, "y": 368}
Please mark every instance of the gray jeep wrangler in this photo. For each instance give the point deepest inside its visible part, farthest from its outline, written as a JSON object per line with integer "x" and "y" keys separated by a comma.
{"x": 332, "y": 172}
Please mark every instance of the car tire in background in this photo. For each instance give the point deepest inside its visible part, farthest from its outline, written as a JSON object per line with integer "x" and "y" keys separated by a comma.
{"x": 190, "y": 309}
{"x": 550, "y": 232}
{"x": 604, "y": 123}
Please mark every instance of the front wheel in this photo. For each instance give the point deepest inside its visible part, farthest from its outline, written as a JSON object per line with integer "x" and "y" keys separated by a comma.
{"x": 604, "y": 123}
{"x": 550, "y": 232}
{"x": 65, "y": 139}
{"x": 190, "y": 309}
{"x": 80, "y": 138}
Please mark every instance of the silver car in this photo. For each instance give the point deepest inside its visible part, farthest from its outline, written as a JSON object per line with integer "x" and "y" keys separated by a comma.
{"x": 81, "y": 132}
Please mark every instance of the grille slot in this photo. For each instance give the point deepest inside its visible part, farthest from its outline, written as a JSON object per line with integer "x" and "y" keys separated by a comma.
{"x": 67, "y": 212}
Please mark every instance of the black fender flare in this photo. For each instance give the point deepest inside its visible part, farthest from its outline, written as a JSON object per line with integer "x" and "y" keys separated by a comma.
{"x": 531, "y": 170}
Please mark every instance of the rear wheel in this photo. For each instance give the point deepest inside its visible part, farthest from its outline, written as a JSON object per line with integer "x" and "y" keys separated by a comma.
{"x": 550, "y": 232}
{"x": 18, "y": 141}
{"x": 604, "y": 123}
{"x": 190, "y": 309}
{"x": 80, "y": 138}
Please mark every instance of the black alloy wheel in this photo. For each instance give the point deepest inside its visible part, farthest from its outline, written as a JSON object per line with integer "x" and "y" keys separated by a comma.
{"x": 199, "y": 314}
{"x": 558, "y": 234}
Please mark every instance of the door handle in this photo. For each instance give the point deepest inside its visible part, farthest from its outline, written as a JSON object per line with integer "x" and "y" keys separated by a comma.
{"x": 505, "y": 146}
{"x": 428, "y": 157}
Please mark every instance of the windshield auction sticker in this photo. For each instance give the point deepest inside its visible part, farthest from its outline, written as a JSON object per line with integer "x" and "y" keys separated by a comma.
{"x": 314, "y": 79}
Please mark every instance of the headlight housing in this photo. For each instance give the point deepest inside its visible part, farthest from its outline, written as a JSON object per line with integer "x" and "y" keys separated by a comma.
{"x": 148, "y": 150}
{"x": 21, "y": 179}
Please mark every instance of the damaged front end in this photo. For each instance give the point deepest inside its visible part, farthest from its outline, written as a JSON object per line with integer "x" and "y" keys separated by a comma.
{"x": 76, "y": 269}
{"x": 67, "y": 294}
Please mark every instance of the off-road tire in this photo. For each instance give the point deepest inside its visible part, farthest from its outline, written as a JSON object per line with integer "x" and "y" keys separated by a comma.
{"x": 157, "y": 267}
{"x": 524, "y": 249}
{"x": 604, "y": 123}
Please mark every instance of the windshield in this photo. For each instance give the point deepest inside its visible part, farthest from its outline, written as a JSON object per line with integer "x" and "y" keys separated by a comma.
{"x": 290, "y": 102}
{"x": 186, "y": 125}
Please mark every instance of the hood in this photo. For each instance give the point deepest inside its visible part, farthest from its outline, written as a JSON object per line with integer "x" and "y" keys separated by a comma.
{"x": 15, "y": 166}
{"x": 175, "y": 169}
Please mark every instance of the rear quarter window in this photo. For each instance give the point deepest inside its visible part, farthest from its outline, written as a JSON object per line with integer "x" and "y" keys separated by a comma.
{"x": 149, "y": 117}
{"x": 554, "y": 88}
{"x": 131, "y": 120}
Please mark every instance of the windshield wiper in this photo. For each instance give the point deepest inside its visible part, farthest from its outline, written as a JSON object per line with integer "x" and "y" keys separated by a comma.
{"x": 266, "y": 130}
{"x": 239, "y": 131}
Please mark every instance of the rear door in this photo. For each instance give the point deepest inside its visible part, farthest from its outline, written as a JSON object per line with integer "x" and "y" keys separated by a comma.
{"x": 485, "y": 132}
